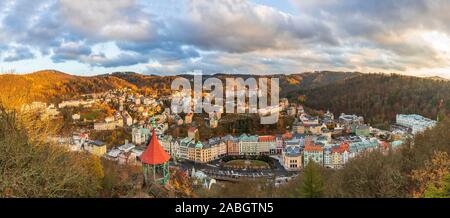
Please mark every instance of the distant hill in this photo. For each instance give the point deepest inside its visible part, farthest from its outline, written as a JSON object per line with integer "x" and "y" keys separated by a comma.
{"x": 378, "y": 97}
{"x": 437, "y": 78}
{"x": 297, "y": 82}
{"x": 49, "y": 85}
{"x": 288, "y": 83}
{"x": 150, "y": 84}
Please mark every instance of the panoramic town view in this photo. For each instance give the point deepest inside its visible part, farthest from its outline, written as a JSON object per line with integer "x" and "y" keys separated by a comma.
{"x": 224, "y": 99}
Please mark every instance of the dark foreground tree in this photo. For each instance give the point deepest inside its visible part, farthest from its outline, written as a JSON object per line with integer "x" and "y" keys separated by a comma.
{"x": 418, "y": 169}
{"x": 311, "y": 182}
{"x": 32, "y": 167}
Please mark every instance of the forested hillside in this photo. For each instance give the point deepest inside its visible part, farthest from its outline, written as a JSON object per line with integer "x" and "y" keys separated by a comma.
{"x": 52, "y": 85}
{"x": 379, "y": 97}
{"x": 288, "y": 83}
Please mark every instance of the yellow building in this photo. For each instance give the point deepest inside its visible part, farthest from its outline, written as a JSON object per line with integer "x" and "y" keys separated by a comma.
{"x": 214, "y": 150}
{"x": 206, "y": 155}
{"x": 191, "y": 151}
{"x": 96, "y": 147}
{"x": 203, "y": 153}
{"x": 292, "y": 158}
{"x": 336, "y": 159}
{"x": 299, "y": 129}
{"x": 222, "y": 149}
{"x": 316, "y": 129}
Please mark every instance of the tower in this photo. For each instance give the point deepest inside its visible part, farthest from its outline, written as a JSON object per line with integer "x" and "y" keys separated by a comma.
{"x": 155, "y": 161}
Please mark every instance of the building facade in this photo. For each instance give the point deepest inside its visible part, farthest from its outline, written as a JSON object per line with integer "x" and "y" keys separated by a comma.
{"x": 248, "y": 145}
{"x": 312, "y": 153}
{"x": 416, "y": 122}
{"x": 292, "y": 158}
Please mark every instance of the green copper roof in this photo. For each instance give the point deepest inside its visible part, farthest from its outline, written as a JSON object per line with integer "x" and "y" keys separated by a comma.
{"x": 396, "y": 143}
{"x": 199, "y": 145}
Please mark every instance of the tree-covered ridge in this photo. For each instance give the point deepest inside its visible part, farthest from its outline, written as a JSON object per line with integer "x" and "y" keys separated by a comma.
{"x": 49, "y": 85}
{"x": 379, "y": 97}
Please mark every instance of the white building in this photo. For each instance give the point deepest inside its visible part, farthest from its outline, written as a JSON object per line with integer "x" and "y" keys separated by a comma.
{"x": 416, "y": 122}
{"x": 128, "y": 120}
{"x": 140, "y": 136}
{"x": 127, "y": 147}
{"x": 351, "y": 119}
{"x": 76, "y": 117}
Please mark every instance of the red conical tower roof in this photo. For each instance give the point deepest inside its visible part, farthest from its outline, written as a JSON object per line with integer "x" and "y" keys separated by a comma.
{"x": 154, "y": 153}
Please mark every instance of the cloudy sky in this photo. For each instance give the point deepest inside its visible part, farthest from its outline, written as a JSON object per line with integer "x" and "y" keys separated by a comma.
{"x": 87, "y": 37}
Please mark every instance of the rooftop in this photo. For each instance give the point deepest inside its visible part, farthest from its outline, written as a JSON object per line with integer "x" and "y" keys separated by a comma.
{"x": 292, "y": 151}
{"x": 267, "y": 138}
{"x": 154, "y": 153}
{"x": 311, "y": 148}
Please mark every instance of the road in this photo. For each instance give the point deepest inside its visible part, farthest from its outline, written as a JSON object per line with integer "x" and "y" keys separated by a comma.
{"x": 214, "y": 169}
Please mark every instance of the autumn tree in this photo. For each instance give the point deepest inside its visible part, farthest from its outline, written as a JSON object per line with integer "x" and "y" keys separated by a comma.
{"x": 31, "y": 166}
{"x": 373, "y": 175}
{"x": 432, "y": 178}
{"x": 439, "y": 190}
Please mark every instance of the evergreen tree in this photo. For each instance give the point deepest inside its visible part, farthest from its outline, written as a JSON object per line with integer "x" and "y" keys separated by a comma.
{"x": 312, "y": 183}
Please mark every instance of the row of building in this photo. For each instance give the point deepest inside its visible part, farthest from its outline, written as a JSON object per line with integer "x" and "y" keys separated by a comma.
{"x": 310, "y": 140}
{"x": 414, "y": 123}
{"x": 335, "y": 155}
{"x": 192, "y": 149}
{"x": 118, "y": 120}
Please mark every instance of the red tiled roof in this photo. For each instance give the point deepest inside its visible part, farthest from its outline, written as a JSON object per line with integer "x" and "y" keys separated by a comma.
{"x": 335, "y": 149}
{"x": 287, "y": 135}
{"x": 344, "y": 146}
{"x": 154, "y": 153}
{"x": 267, "y": 138}
{"x": 385, "y": 145}
{"x": 341, "y": 148}
{"x": 313, "y": 148}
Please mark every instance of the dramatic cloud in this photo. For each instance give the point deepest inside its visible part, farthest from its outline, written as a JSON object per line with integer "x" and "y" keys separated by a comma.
{"x": 105, "y": 19}
{"x": 241, "y": 26}
{"x": 124, "y": 59}
{"x": 395, "y": 30}
{"x": 70, "y": 51}
{"x": 17, "y": 54}
{"x": 236, "y": 36}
